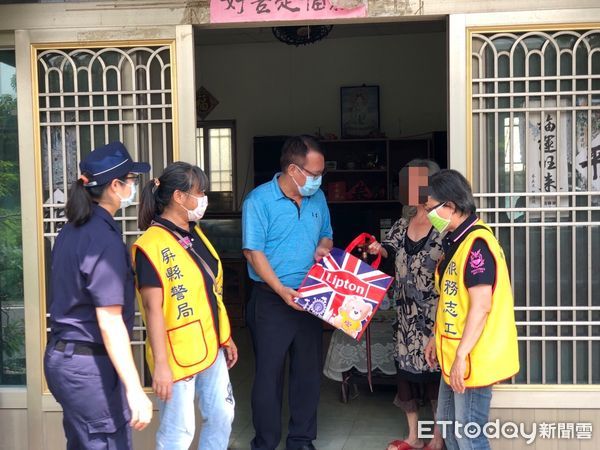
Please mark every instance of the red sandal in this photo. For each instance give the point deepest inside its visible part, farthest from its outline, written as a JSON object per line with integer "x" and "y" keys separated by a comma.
{"x": 401, "y": 445}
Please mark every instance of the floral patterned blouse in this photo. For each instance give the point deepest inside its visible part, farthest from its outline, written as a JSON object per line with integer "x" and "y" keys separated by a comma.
{"x": 415, "y": 294}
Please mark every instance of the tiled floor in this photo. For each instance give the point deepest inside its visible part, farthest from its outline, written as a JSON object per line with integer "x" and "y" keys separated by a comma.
{"x": 368, "y": 422}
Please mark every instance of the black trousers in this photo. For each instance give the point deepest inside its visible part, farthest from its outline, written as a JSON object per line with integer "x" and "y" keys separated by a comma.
{"x": 95, "y": 410}
{"x": 278, "y": 330}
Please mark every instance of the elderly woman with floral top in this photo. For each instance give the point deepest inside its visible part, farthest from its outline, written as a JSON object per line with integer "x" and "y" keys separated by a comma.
{"x": 416, "y": 247}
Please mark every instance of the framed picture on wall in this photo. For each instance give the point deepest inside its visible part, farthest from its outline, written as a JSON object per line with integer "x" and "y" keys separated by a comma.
{"x": 359, "y": 111}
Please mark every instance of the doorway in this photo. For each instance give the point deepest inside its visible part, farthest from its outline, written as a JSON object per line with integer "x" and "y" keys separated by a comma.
{"x": 267, "y": 90}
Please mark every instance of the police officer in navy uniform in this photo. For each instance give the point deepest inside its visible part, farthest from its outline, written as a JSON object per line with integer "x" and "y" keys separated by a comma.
{"x": 88, "y": 361}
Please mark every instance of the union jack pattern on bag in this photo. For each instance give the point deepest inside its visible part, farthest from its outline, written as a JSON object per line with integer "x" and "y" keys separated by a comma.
{"x": 343, "y": 291}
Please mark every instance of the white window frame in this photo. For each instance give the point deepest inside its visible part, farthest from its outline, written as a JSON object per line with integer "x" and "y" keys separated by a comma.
{"x": 203, "y": 149}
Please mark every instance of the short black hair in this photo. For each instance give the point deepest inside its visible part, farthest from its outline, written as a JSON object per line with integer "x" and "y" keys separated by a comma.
{"x": 296, "y": 148}
{"x": 450, "y": 186}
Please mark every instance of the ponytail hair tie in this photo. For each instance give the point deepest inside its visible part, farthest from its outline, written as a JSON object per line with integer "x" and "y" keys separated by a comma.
{"x": 156, "y": 182}
{"x": 86, "y": 181}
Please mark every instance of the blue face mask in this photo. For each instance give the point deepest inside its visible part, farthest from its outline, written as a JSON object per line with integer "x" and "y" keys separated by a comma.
{"x": 311, "y": 185}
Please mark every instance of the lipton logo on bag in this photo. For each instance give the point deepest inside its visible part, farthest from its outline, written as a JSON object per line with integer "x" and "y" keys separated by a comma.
{"x": 344, "y": 283}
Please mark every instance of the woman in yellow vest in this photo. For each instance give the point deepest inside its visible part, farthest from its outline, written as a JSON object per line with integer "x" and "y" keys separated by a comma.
{"x": 179, "y": 283}
{"x": 475, "y": 333}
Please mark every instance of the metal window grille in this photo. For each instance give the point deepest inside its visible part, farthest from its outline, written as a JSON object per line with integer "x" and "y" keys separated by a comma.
{"x": 535, "y": 103}
{"x": 88, "y": 97}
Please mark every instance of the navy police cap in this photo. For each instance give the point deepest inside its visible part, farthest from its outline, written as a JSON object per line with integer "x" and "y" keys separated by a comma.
{"x": 108, "y": 162}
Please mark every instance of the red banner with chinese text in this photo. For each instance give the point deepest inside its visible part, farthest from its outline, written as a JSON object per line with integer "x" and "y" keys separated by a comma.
{"x": 231, "y": 11}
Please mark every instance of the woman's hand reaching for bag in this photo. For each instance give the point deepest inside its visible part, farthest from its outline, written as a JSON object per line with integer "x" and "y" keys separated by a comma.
{"x": 375, "y": 248}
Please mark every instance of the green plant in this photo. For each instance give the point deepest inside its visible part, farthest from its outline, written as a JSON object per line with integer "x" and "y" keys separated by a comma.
{"x": 13, "y": 338}
{"x": 12, "y": 329}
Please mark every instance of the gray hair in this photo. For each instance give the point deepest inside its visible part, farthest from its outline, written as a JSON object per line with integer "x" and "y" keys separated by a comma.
{"x": 451, "y": 186}
{"x": 408, "y": 212}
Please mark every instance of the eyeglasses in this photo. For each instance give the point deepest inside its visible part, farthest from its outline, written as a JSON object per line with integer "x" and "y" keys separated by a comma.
{"x": 439, "y": 205}
{"x": 135, "y": 178}
{"x": 312, "y": 174}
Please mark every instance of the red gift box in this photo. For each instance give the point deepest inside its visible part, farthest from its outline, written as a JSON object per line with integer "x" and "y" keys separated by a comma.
{"x": 344, "y": 291}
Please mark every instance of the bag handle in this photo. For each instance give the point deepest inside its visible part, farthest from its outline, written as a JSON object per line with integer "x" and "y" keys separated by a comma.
{"x": 361, "y": 240}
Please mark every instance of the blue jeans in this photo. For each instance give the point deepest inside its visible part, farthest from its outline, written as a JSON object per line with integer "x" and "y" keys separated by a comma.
{"x": 472, "y": 407}
{"x": 215, "y": 403}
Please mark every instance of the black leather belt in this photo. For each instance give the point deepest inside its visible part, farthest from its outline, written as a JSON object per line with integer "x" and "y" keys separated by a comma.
{"x": 264, "y": 287}
{"x": 83, "y": 348}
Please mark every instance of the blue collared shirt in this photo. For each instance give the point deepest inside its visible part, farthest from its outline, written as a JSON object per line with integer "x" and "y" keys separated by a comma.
{"x": 287, "y": 234}
{"x": 90, "y": 268}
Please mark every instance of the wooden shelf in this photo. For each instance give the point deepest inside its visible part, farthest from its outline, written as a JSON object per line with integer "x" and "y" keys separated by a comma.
{"x": 236, "y": 290}
{"x": 350, "y": 217}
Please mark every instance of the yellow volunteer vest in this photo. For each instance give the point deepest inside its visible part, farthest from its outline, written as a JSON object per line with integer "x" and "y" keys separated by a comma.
{"x": 192, "y": 341}
{"x": 495, "y": 357}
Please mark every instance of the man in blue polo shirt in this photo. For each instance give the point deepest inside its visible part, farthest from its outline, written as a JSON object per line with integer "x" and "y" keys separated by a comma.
{"x": 286, "y": 228}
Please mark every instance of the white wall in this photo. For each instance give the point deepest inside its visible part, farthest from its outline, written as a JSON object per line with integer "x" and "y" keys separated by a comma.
{"x": 273, "y": 88}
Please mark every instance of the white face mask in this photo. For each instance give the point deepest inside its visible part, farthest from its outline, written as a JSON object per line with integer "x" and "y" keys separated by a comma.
{"x": 194, "y": 215}
{"x": 127, "y": 201}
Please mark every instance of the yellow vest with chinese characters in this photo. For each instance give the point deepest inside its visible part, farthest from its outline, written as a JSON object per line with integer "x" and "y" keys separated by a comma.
{"x": 191, "y": 336}
{"x": 495, "y": 356}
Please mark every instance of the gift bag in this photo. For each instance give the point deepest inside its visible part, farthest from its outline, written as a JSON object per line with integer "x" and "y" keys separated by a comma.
{"x": 344, "y": 291}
